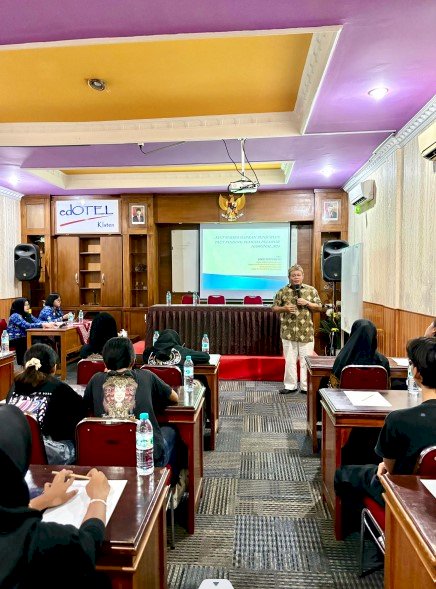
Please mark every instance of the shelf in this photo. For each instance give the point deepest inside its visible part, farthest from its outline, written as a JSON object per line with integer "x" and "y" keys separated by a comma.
{"x": 90, "y": 288}
{"x": 139, "y": 271}
{"x": 139, "y": 289}
{"x": 89, "y": 270}
{"x": 89, "y": 253}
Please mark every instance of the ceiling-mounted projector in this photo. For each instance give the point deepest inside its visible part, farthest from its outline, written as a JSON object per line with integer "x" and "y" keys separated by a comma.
{"x": 242, "y": 187}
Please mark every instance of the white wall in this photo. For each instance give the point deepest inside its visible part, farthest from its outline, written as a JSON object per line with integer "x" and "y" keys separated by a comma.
{"x": 10, "y": 236}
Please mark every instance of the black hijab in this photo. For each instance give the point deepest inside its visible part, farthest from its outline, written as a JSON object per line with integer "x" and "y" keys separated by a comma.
{"x": 103, "y": 328}
{"x": 18, "y": 307}
{"x": 166, "y": 341}
{"x": 361, "y": 348}
{"x": 168, "y": 350}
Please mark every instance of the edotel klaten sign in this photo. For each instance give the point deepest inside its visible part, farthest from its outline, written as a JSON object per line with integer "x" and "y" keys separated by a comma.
{"x": 87, "y": 216}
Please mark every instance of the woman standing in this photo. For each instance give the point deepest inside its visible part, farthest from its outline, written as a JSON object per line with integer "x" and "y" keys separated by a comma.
{"x": 55, "y": 405}
{"x": 52, "y": 309}
{"x": 20, "y": 321}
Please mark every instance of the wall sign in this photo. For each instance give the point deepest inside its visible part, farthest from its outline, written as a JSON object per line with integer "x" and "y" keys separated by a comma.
{"x": 87, "y": 216}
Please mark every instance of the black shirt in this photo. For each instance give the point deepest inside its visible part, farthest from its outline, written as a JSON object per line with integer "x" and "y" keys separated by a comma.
{"x": 56, "y": 406}
{"x": 405, "y": 433}
{"x": 143, "y": 392}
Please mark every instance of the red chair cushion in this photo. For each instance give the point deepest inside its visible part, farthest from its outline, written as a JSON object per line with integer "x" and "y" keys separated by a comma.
{"x": 377, "y": 511}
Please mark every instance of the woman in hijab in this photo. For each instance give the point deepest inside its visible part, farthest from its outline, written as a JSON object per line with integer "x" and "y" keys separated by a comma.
{"x": 168, "y": 350}
{"x": 34, "y": 553}
{"x": 361, "y": 348}
{"x": 103, "y": 328}
{"x": 20, "y": 321}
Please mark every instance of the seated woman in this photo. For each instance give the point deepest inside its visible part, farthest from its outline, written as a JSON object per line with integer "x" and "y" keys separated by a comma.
{"x": 35, "y": 553}
{"x": 103, "y": 328}
{"x": 122, "y": 392}
{"x": 52, "y": 309}
{"x": 20, "y": 321}
{"x": 56, "y": 406}
{"x": 168, "y": 350}
{"x": 361, "y": 348}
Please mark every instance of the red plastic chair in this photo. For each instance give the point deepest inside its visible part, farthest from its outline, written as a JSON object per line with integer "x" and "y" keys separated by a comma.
{"x": 3, "y": 326}
{"x": 172, "y": 375}
{"x": 255, "y": 300}
{"x": 187, "y": 299}
{"x": 364, "y": 377}
{"x": 216, "y": 300}
{"x": 106, "y": 442}
{"x": 373, "y": 514}
{"x": 38, "y": 454}
{"x": 87, "y": 368}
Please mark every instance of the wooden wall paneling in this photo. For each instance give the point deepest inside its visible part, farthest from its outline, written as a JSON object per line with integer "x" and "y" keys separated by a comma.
{"x": 5, "y": 307}
{"x": 153, "y": 275}
{"x": 285, "y": 205}
{"x": 129, "y": 200}
{"x": 127, "y": 299}
{"x": 134, "y": 321}
{"x": 304, "y": 248}
{"x": 384, "y": 318}
{"x": 111, "y": 257}
{"x": 408, "y": 326}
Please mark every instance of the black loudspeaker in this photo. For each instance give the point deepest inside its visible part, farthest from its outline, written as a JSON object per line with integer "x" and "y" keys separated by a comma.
{"x": 331, "y": 259}
{"x": 27, "y": 262}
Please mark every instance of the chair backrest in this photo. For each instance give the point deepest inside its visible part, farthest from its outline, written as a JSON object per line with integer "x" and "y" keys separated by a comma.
{"x": 216, "y": 300}
{"x": 187, "y": 299}
{"x": 426, "y": 463}
{"x": 87, "y": 368}
{"x": 38, "y": 454}
{"x": 255, "y": 300}
{"x": 364, "y": 377}
{"x": 172, "y": 375}
{"x": 106, "y": 442}
{"x": 3, "y": 326}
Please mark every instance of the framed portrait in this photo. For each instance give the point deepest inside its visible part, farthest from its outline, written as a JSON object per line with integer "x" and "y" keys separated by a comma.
{"x": 137, "y": 215}
{"x": 331, "y": 211}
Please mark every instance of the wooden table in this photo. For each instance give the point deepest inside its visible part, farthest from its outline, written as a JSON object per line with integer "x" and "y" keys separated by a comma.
{"x": 68, "y": 338}
{"x": 187, "y": 416}
{"x": 339, "y": 417}
{"x": 247, "y": 330}
{"x": 134, "y": 551}
{"x": 6, "y": 373}
{"x": 211, "y": 373}
{"x": 319, "y": 366}
{"x": 410, "y": 534}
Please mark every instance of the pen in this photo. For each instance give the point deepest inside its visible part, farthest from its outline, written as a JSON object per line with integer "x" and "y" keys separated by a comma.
{"x": 73, "y": 476}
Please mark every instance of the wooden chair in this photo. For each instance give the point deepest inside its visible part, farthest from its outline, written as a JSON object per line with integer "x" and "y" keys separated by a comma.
{"x": 38, "y": 454}
{"x": 111, "y": 442}
{"x": 87, "y": 368}
{"x": 172, "y": 375}
{"x": 187, "y": 299}
{"x": 255, "y": 300}
{"x": 373, "y": 514}
{"x": 216, "y": 300}
{"x": 364, "y": 377}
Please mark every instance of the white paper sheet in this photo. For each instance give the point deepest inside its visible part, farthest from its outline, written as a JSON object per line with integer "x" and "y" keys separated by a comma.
{"x": 214, "y": 359}
{"x": 430, "y": 486}
{"x": 367, "y": 399}
{"x": 74, "y": 510}
{"x": 404, "y": 362}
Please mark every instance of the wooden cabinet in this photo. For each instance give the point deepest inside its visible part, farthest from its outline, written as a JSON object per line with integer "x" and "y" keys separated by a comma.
{"x": 89, "y": 271}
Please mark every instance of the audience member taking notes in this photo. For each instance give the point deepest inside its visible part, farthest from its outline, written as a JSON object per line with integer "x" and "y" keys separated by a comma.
{"x": 34, "y": 553}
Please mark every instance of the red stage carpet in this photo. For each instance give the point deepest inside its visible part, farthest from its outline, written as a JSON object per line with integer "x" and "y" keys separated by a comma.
{"x": 244, "y": 367}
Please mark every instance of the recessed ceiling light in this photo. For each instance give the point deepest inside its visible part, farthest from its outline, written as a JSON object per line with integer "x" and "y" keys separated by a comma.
{"x": 378, "y": 93}
{"x": 327, "y": 171}
{"x": 96, "y": 84}
{"x": 13, "y": 179}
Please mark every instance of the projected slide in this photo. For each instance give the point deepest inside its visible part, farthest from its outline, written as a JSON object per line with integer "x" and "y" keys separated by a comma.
{"x": 236, "y": 260}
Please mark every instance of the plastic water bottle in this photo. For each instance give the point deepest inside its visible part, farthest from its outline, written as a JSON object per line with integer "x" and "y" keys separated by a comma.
{"x": 144, "y": 445}
{"x": 188, "y": 375}
{"x": 412, "y": 387}
{"x": 5, "y": 342}
{"x": 155, "y": 337}
{"x": 168, "y": 297}
{"x": 205, "y": 344}
{"x": 80, "y": 316}
{"x": 70, "y": 317}
{"x": 194, "y": 298}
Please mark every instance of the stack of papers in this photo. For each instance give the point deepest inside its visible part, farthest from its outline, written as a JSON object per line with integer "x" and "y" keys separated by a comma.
{"x": 402, "y": 362}
{"x": 367, "y": 399}
{"x": 430, "y": 486}
{"x": 74, "y": 510}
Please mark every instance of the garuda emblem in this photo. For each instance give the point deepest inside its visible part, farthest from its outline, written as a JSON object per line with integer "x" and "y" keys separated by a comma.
{"x": 232, "y": 207}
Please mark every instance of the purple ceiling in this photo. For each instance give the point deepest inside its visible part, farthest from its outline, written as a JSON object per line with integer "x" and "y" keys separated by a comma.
{"x": 383, "y": 43}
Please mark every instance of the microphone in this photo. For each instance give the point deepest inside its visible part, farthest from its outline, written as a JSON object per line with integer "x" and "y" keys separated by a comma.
{"x": 297, "y": 290}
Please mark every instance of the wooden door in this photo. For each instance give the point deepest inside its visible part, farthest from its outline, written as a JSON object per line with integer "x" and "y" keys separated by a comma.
{"x": 67, "y": 270}
{"x": 111, "y": 257}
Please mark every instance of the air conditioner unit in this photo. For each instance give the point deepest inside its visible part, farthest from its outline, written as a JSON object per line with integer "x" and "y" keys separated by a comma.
{"x": 427, "y": 143}
{"x": 364, "y": 192}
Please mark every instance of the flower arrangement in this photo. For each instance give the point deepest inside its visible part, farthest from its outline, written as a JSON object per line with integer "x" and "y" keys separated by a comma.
{"x": 330, "y": 327}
